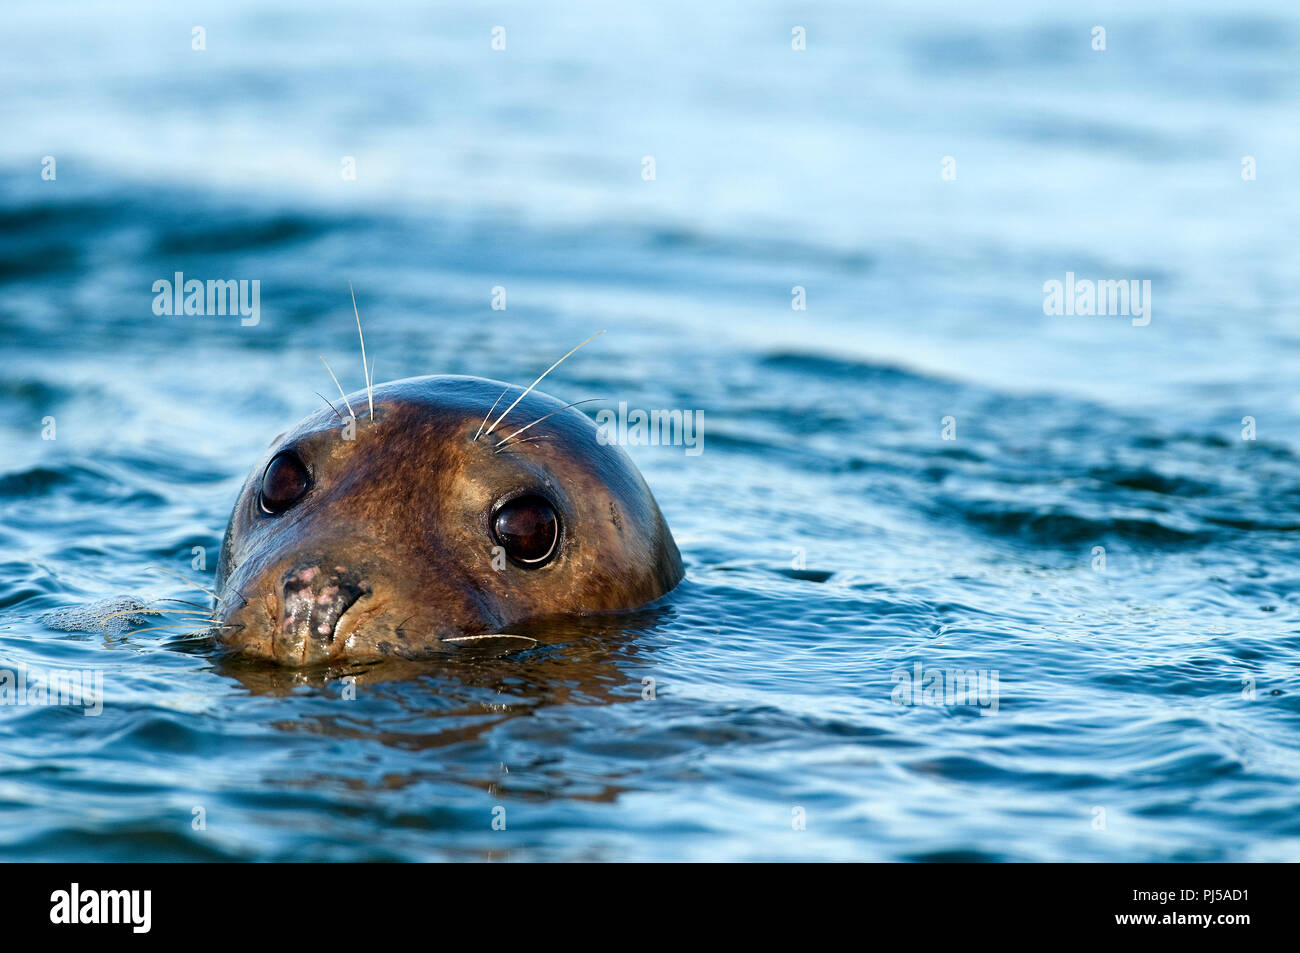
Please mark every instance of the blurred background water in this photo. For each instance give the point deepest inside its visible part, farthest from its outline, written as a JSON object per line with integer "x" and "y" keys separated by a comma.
{"x": 833, "y": 538}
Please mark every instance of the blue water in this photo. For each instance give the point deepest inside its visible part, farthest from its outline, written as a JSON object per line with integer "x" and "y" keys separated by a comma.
{"x": 834, "y": 540}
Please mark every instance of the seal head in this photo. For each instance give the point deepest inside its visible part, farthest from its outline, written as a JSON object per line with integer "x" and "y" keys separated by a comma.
{"x": 415, "y": 532}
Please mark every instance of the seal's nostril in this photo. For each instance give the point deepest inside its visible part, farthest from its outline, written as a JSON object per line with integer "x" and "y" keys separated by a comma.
{"x": 299, "y": 579}
{"x": 314, "y": 600}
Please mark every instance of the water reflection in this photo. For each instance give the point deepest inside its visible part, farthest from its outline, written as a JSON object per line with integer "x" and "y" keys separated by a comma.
{"x": 595, "y": 660}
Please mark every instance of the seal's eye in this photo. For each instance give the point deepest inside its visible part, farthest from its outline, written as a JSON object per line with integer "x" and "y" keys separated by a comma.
{"x": 528, "y": 528}
{"x": 283, "y": 483}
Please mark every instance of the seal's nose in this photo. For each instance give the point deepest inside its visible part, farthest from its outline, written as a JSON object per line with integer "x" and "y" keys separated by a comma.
{"x": 313, "y": 601}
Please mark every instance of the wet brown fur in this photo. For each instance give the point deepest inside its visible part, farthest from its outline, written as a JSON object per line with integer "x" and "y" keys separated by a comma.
{"x": 404, "y": 511}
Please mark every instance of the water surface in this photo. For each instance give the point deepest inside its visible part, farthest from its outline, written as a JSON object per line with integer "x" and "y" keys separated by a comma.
{"x": 833, "y": 538}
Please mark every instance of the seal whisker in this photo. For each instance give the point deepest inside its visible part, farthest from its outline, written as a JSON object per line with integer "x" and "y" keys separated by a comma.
{"x": 185, "y": 602}
{"x": 183, "y": 616}
{"x": 523, "y": 440}
{"x": 489, "y": 413}
{"x": 331, "y": 403}
{"x": 587, "y": 400}
{"x": 538, "y": 381}
{"x": 364, "y": 369}
{"x": 495, "y": 635}
{"x": 172, "y": 628}
{"x": 339, "y": 386}
{"x": 183, "y": 579}
{"x": 147, "y": 610}
{"x": 155, "y": 610}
